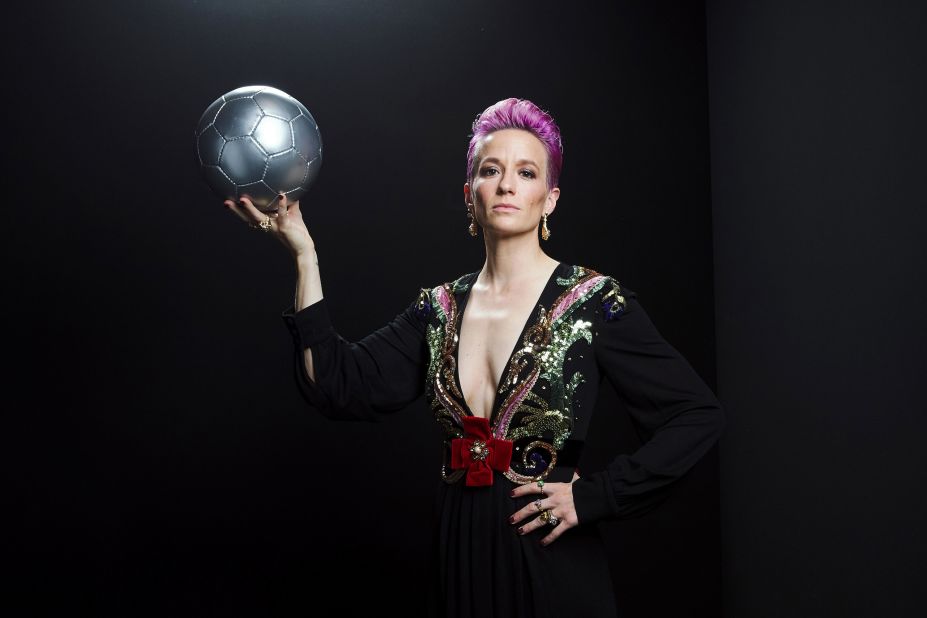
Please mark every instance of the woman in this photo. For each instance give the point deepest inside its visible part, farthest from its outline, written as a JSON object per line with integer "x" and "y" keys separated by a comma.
{"x": 510, "y": 359}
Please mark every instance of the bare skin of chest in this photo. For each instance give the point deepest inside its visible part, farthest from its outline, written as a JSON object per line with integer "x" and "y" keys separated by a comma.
{"x": 488, "y": 332}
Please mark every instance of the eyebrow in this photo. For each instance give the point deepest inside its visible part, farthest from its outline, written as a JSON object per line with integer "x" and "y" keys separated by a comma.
{"x": 519, "y": 162}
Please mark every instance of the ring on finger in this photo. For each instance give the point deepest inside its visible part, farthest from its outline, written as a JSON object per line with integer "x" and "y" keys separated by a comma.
{"x": 265, "y": 224}
{"x": 547, "y": 517}
{"x": 537, "y": 504}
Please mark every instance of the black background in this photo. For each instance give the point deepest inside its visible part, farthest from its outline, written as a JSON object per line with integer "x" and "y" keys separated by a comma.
{"x": 166, "y": 462}
{"x": 158, "y": 459}
{"x": 819, "y": 212}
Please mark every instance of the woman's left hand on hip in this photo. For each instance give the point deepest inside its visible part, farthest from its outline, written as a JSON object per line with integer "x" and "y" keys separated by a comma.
{"x": 557, "y": 498}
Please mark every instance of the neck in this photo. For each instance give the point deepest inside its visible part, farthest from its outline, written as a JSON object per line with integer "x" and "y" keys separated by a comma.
{"x": 514, "y": 260}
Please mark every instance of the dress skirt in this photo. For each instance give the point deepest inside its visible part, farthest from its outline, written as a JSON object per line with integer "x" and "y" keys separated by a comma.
{"x": 484, "y": 569}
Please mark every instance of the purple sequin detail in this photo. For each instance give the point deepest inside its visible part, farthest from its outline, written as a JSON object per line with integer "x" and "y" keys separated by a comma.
{"x": 538, "y": 462}
{"x": 613, "y": 309}
{"x": 423, "y": 308}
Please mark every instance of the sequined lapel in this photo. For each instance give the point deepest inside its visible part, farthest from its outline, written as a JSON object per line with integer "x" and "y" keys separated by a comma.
{"x": 540, "y": 358}
{"x": 535, "y": 355}
{"x": 512, "y": 387}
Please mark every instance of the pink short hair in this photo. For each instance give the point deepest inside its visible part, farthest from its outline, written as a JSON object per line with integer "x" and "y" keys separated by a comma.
{"x": 520, "y": 114}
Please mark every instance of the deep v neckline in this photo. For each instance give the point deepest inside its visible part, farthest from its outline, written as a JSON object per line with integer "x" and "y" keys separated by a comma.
{"x": 532, "y": 318}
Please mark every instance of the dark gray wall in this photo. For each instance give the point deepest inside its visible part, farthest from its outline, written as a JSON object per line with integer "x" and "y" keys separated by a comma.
{"x": 160, "y": 459}
{"x": 817, "y": 168}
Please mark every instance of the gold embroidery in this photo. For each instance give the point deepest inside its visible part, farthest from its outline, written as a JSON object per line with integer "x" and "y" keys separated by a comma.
{"x": 435, "y": 340}
{"x": 521, "y": 479}
{"x": 525, "y": 412}
{"x": 544, "y": 353}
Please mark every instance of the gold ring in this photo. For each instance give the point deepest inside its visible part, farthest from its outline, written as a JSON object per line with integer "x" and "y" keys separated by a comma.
{"x": 265, "y": 224}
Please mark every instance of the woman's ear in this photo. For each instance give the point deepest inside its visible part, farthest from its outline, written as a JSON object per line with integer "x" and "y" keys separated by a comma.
{"x": 552, "y": 198}
{"x": 467, "y": 199}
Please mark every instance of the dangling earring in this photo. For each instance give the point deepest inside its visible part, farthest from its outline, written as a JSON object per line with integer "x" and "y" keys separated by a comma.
{"x": 545, "y": 233}
{"x": 472, "y": 227}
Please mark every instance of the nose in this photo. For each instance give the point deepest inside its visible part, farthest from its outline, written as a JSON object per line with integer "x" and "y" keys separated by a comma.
{"x": 507, "y": 182}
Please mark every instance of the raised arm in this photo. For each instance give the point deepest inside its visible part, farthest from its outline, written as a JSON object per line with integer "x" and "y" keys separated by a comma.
{"x": 308, "y": 292}
{"x": 381, "y": 373}
{"x": 287, "y": 225}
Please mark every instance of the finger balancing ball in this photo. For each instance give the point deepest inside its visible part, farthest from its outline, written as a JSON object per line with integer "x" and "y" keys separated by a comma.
{"x": 258, "y": 142}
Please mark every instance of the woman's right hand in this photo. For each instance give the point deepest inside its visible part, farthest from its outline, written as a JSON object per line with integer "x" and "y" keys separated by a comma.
{"x": 286, "y": 223}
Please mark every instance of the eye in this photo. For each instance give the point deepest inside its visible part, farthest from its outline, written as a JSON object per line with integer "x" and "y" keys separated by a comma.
{"x": 527, "y": 173}
{"x": 488, "y": 171}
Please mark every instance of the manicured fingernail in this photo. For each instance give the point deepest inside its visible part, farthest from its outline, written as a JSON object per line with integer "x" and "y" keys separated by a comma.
{"x": 521, "y": 530}
{"x": 544, "y": 543}
{"x": 512, "y": 493}
{"x": 512, "y": 519}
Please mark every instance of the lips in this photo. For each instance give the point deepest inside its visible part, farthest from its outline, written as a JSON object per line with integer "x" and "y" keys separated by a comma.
{"x": 504, "y": 207}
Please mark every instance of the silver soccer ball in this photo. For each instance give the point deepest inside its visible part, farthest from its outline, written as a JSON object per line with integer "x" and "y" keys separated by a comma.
{"x": 259, "y": 142}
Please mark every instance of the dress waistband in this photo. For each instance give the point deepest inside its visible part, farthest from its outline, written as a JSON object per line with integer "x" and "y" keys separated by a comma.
{"x": 532, "y": 459}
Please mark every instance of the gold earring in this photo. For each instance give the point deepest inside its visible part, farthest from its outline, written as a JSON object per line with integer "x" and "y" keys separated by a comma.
{"x": 545, "y": 233}
{"x": 472, "y": 227}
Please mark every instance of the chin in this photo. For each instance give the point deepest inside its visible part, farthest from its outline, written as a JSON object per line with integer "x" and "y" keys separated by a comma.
{"x": 506, "y": 231}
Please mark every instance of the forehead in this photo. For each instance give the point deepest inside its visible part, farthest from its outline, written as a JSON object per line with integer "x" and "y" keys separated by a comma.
{"x": 515, "y": 143}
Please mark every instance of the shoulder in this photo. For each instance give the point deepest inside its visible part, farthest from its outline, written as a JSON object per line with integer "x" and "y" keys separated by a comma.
{"x": 436, "y": 299}
{"x": 588, "y": 286}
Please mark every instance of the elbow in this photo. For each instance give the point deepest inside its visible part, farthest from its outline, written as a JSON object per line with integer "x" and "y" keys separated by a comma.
{"x": 710, "y": 418}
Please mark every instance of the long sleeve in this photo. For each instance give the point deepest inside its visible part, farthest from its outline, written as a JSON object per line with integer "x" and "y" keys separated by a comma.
{"x": 673, "y": 409}
{"x": 359, "y": 381}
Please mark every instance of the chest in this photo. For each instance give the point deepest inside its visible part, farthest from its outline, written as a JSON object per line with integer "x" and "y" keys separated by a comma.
{"x": 489, "y": 333}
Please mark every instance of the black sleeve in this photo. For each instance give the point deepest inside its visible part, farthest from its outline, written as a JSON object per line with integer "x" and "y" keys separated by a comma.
{"x": 677, "y": 415}
{"x": 383, "y": 372}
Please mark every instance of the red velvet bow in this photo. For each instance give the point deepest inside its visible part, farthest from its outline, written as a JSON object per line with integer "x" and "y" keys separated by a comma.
{"x": 479, "y": 452}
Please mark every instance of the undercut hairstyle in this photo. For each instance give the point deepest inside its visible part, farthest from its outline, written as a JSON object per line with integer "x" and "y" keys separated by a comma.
{"x": 519, "y": 114}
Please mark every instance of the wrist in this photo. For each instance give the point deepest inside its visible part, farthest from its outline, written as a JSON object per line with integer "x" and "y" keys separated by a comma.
{"x": 306, "y": 258}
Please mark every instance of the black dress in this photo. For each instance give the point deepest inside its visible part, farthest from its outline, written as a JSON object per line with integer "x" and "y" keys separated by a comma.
{"x": 586, "y": 327}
